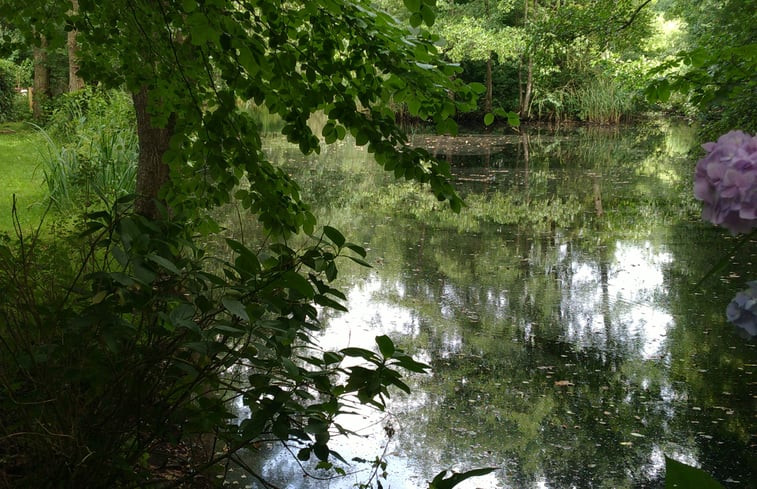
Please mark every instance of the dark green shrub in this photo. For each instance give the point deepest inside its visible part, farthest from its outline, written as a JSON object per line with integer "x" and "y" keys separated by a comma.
{"x": 7, "y": 92}
{"x": 92, "y": 149}
{"x": 123, "y": 357}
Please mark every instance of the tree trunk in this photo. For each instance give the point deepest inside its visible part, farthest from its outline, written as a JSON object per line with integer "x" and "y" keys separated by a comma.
{"x": 489, "y": 86}
{"x": 152, "y": 172}
{"x": 41, "y": 78}
{"x": 520, "y": 86}
{"x": 524, "y": 93}
{"x": 525, "y": 108}
{"x": 75, "y": 82}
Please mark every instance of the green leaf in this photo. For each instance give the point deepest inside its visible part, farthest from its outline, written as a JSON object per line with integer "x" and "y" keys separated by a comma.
{"x": 163, "y": 262}
{"x": 360, "y": 262}
{"x": 326, "y": 302}
{"x": 228, "y": 330}
{"x": 294, "y": 280}
{"x": 334, "y": 235}
{"x": 696, "y": 58}
{"x": 429, "y": 15}
{"x": 414, "y": 106}
{"x": 407, "y": 362}
{"x": 357, "y": 249}
{"x": 478, "y": 88}
{"x": 412, "y": 5}
{"x": 189, "y": 6}
{"x": 235, "y": 307}
{"x": 362, "y": 137}
{"x": 359, "y": 352}
{"x": 663, "y": 92}
{"x": 455, "y": 204}
{"x": 321, "y": 451}
{"x": 401, "y": 385}
{"x": 488, "y": 119}
{"x": 145, "y": 275}
{"x": 330, "y": 357}
{"x": 440, "y": 482}
{"x": 513, "y": 119}
{"x": 386, "y": 346}
{"x": 292, "y": 370}
{"x": 416, "y": 19}
{"x": 447, "y": 126}
{"x": 99, "y": 297}
{"x": 682, "y": 476}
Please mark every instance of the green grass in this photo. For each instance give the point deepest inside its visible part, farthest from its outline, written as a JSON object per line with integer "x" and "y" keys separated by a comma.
{"x": 20, "y": 147}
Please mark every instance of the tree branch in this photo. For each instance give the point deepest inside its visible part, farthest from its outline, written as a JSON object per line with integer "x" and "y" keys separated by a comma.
{"x": 633, "y": 16}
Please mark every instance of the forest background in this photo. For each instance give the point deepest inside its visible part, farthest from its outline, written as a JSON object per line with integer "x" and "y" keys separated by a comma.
{"x": 490, "y": 63}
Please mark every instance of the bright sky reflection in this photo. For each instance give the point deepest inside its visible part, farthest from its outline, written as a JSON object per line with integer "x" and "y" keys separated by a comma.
{"x": 624, "y": 305}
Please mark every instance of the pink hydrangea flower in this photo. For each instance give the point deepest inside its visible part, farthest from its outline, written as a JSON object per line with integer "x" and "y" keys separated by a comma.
{"x": 726, "y": 182}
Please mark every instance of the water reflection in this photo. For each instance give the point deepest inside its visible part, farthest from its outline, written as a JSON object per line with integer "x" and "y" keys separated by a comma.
{"x": 569, "y": 344}
{"x": 619, "y": 301}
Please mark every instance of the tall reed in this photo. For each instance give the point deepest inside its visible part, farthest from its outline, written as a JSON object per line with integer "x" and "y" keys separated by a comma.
{"x": 602, "y": 101}
{"x": 90, "y": 158}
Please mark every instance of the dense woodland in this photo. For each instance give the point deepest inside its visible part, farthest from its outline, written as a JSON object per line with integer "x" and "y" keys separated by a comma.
{"x": 547, "y": 61}
{"x": 129, "y": 316}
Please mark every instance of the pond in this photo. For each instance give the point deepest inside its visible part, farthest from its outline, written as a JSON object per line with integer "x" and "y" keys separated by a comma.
{"x": 571, "y": 342}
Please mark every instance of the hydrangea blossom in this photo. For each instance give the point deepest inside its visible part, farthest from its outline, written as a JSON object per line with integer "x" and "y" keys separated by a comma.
{"x": 726, "y": 182}
{"x": 742, "y": 311}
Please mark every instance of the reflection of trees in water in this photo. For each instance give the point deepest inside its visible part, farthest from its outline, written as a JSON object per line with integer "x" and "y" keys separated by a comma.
{"x": 505, "y": 364}
{"x": 508, "y": 307}
{"x": 706, "y": 353}
{"x": 691, "y": 398}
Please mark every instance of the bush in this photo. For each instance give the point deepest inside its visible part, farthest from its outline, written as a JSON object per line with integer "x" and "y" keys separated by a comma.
{"x": 602, "y": 101}
{"x": 92, "y": 149}
{"x": 124, "y": 362}
{"x": 7, "y": 92}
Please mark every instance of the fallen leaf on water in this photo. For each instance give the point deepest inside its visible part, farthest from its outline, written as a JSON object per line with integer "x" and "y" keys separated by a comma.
{"x": 563, "y": 383}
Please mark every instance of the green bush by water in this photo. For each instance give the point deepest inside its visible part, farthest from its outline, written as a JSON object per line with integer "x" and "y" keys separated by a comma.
{"x": 601, "y": 102}
{"x": 92, "y": 149}
{"x": 129, "y": 354}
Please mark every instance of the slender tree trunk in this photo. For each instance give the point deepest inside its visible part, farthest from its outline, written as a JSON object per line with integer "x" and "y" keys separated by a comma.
{"x": 524, "y": 93}
{"x": 489, "y": 86}
{"x": 520, "y": 86}
{"x": 152, "y": 172}
{"x": 489, "y": 83}
{"x": 41, "y": 78}
{"x": 74, "y": 80}
{"x": 526, "y": 107}
{"x": 525, "y": 139}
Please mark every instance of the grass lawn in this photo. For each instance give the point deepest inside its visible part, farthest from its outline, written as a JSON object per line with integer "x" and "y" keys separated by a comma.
{"x": 20, "y": 146}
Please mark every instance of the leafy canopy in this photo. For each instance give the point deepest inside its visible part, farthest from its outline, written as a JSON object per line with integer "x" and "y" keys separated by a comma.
{"x": 198, "y": 59}
{"x": 148, "y": 316}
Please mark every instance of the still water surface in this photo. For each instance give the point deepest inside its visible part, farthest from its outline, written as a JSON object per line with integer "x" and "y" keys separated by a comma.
{"x": 569, "y": 342}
